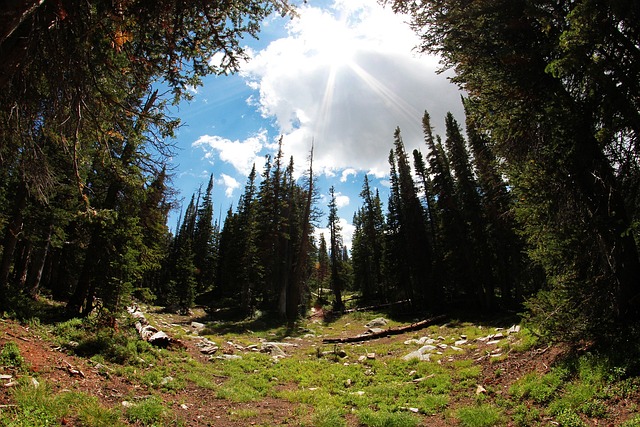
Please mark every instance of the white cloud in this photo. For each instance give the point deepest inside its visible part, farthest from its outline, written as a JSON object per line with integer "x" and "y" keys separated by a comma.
{"x": 346, "y": 77}
{"x": 240, "y": 154}
{"x": 230, "y": 184}
{"x": 346, "y": 173}
{"x": 341, "y": 200}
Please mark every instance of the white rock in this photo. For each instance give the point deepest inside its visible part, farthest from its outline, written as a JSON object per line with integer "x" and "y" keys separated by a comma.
{"x": 376, "y": 323}
{"x": 197, "y": 325}
{"x": 460, "y": 342}
{"x": 417, "y": 355}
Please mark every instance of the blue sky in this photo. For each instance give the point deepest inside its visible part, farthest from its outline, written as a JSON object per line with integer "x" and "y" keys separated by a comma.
{"x": 343, "y": 74}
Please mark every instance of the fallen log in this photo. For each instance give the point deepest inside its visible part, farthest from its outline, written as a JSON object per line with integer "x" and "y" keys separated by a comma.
{"x": 385, "y": 333}
{"x": 147, "y": 332}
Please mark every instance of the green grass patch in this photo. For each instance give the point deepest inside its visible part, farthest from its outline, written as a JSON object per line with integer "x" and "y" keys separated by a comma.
{"x": 480, "y": 416}
{"x": 38, "y": 406}
{"x": 150, "y": 412}
{"x": 371, "y": 418}
{"x": 10, "y": 356}
{"x": 328, "y": 417}
{"x": 539, "y": 388}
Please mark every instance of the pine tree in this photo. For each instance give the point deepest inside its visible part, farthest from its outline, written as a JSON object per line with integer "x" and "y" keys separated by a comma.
{"x": 551, "y": 83}
{"x": 479, "y": 286}
{"x": 367, "y": 247}
{"x": 250, "y": 273}
{"x": 335, "y": 253}
{"x": 203, "y": 255}
{"x": 416, "y": 244}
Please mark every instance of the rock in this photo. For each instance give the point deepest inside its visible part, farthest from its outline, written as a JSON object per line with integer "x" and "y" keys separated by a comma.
{"x": 273, "y": 349}
{"x": 197, "y": 326}
{"x": 5, "y": 377}
{"x": 374, "y": 330}
{"x": 371, "y": 356}
{"x": 460, "y": 342}
{"x": 207, "y": 346}
{"x": 416, "y": 355}
{"x": 493, "y": 342}
{"x": 427, "y": 348}
{"x": 376, "y": 323}
{"x": 442, "y": 346}
{"x": 229, "y": 357}
{"x": 454, "y": 348}
{"x": 127, "y": 404}
{"x": 514, "y": 329}
{"x": 184, "y": 406}
{"x": 34, "y": 382}
{"x": 480, "y": 390}
{"x": 166, "y": 380}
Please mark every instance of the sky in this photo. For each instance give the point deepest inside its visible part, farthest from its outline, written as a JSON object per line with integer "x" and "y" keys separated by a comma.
{"x": 342, "y": 75}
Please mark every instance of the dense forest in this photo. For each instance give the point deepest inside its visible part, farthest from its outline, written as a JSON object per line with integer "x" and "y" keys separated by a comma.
{"x": 531, "y": 206}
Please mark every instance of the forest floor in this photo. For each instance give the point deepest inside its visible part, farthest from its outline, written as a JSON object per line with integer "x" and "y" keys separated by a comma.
{"x": 486, "y": 373}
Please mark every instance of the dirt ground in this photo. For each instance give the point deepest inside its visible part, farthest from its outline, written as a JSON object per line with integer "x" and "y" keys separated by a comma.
{"x": 196, "y": 406}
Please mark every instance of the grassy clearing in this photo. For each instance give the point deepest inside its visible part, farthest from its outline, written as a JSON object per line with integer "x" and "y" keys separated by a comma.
{"x": 367, "y": 384}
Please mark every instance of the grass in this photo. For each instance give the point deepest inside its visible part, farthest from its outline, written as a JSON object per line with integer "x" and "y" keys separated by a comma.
{"x": 149, "y": 412}
{"x": 480, "y": 416}
{"x": 10, "y": 356}
{"x": 38, "y": 406}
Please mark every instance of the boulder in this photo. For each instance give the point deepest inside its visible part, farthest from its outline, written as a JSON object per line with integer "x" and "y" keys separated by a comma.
{"x": 377, "y": 323}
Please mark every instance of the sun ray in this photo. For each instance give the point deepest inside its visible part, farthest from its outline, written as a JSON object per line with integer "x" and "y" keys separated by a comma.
{"x": 386, "y": 94}
{"x": 327, "y": 100}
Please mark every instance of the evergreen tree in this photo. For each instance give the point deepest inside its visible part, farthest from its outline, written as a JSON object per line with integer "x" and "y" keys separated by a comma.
{"x": 203, "y": 251}
{"x": 335, "y": 253}
{"x": 417, "y": 247}
{"x": 250, "y": 273}
{"x": 479, "y": 280}
{"x": 551, "y": 83}
{"x": 323, "y": 268}
{"x": 367, "y": 246}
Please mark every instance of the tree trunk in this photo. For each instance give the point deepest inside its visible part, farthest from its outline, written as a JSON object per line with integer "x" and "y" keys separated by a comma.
{"x": 11, "y": 239}
{"x": 36, "y": 267}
